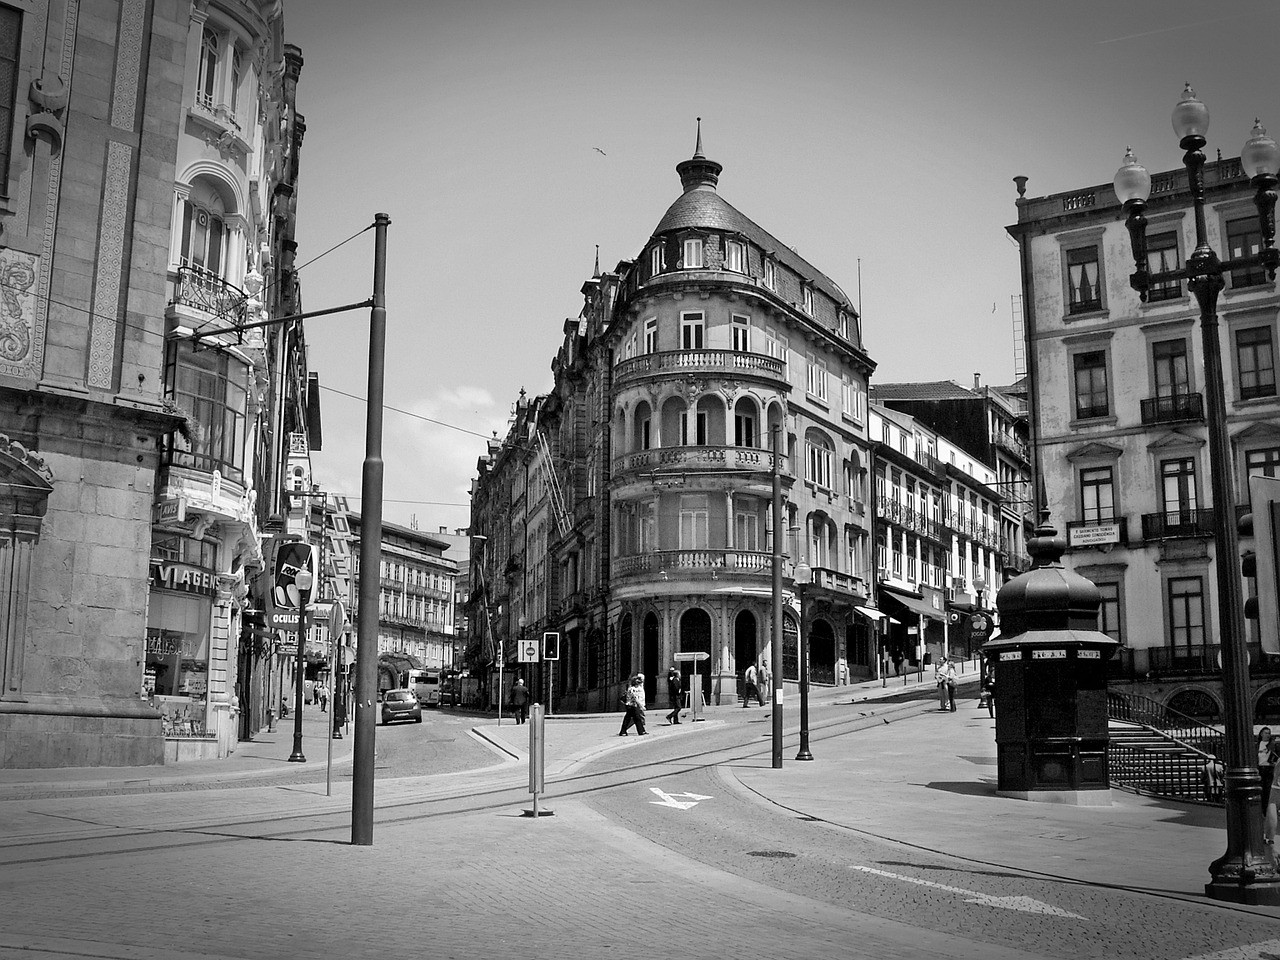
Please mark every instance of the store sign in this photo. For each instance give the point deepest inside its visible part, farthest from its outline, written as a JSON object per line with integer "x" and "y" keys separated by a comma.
{"x": 184, "y": 578}
{"x": 1094, "y": 535}
{"x": 172, "y": 510}
{"x": 1048, "y": 654}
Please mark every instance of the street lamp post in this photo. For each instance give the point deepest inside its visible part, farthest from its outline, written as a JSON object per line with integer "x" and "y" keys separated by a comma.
{"x": 302, "y": 580}
{"x": 803, "y": 576}
{"x": 1246, "y": 872}
{"x": 979, "y": 594}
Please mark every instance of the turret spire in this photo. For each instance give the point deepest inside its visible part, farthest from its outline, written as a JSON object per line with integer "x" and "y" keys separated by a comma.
{"x": 698, "y": 173}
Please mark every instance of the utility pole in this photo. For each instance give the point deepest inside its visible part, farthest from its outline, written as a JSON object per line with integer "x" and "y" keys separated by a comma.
{"x": 370, "y": 551}
{"x": 777, "y": 597}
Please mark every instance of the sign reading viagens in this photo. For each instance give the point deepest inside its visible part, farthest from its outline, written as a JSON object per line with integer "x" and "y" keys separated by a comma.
{"x": 184, "y": 578}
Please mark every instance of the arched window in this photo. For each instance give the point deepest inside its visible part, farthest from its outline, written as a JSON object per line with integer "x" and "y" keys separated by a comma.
{"x": 207, "y": 76}
{"x": 745, "y": 424}
{"x": 820, "y": 457}
{"x": 204, "y": 230}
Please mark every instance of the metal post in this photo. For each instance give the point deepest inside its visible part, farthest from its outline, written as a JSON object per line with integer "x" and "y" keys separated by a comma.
{"x": 297, "y": 755}
{"x": 779, "y": 680}
{"x": 370, "y": 551}
{"x": 804, "y": 753}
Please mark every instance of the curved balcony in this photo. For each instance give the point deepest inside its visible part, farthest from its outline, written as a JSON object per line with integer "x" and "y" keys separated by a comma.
{"x": 725, "y": 363}
{"x": 207, "y": 292}
{"x": 691, "y": 564}
{"x": 676, "y": 459}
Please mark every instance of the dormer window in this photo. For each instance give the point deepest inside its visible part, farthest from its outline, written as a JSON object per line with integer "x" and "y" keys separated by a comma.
{"x": 693, "y": 254}
{"x": 655, "y": 260}
{"x": 842, "y": 325}
{"x": 770, "y": 274}
{"x": 735, "y": 256}
{"x": 806, "y": 294}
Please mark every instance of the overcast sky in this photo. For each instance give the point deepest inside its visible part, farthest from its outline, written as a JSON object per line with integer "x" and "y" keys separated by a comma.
{"x": 879, "y": 139}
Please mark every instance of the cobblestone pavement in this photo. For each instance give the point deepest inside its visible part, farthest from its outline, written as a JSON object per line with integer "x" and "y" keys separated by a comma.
{"x": 891, "y": 843}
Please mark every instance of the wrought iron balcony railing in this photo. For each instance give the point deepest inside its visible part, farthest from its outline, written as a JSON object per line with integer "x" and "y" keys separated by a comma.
{"x": 1177, "y": 524}
{"x": 1172, "y": 409}
{"x": 204, "y": 290}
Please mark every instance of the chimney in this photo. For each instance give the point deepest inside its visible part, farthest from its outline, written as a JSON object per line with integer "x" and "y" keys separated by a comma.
{"x": 977, "y": 381}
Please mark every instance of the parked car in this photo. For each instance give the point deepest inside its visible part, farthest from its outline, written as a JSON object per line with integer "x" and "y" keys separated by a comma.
{"x": 401, "y": 705}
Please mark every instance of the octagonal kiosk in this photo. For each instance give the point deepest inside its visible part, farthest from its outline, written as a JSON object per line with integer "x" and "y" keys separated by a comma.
{"x": 1051, "y": 685}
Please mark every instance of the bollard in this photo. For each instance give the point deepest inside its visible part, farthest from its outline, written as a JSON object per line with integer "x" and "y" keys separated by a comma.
{"x": 537, "y": 759}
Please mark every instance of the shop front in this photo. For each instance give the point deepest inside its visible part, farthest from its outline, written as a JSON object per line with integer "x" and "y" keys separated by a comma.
{"x": 179, "y": 618}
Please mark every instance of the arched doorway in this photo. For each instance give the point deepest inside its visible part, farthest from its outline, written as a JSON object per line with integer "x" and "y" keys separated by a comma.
{"x": 790, "y": 648}
{"x": 1197, "y": 703}
{"x": 745, "y": 647}
{"x": 695, "y": 635}
{"x": 822, "y": 652}
{"x": 649, "y": 656}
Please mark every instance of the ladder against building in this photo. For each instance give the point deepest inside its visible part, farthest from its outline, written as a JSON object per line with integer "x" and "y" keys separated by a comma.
{"x": 1019, "y": 338}
{"x": 554, "y": 490}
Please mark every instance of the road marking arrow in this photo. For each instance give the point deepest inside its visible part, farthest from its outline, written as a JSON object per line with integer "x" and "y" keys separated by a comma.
{"x": 669, "y": 799}
{"x": 1023, "y": 904}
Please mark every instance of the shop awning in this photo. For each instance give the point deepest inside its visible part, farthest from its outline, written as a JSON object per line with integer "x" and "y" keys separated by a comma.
{"x": 871, "y": 613}
{"x": 910, "y": 607}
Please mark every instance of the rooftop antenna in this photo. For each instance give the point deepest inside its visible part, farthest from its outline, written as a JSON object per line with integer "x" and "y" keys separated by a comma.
{"x": 859, "y": 286}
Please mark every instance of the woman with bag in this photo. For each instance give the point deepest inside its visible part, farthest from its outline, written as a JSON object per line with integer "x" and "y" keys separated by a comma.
{"x": 633, "y": 699}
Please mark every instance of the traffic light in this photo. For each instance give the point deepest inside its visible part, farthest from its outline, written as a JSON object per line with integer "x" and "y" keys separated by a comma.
{"x": 551, "y": 645}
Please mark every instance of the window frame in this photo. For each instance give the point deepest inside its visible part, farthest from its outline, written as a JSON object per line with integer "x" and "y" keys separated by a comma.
{"x": 1258, "y": 391}
{"x": 819, "y": 461}
{"x": 1190, "y": 628}
{"x": 655, "y": 260}
{"x": 740, "y": 333}
{"x": 1249, "y": 276}
{"x": 651, "y": 335}
{"x": 816, "y": 375}
{"x": 735, "y": 250}
{"x": 806, "y": 298}
{"x": 1157, "y": 245}
{"x": 693, "y": 249}
{"x": 1096, "y": 485}
{"x": 769, "y": 271}
{"x": 693, "y": 327}
{"x": 1092, "y": 412}
{"x": 1071, "y": 250}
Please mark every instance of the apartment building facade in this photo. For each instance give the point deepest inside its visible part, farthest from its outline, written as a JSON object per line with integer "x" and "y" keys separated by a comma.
{"x": 1119, "y": 418}
{"x": 650, "y": 465}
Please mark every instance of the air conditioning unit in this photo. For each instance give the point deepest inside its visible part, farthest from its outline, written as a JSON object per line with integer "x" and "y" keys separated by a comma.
{"x": 958, "y": 585}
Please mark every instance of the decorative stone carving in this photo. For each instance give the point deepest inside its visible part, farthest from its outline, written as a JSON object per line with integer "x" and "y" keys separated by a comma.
{"x": 49, "y": 95}
{"x": 18, "y": 274}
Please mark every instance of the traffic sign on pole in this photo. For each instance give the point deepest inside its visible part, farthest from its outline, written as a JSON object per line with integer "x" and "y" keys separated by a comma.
{"x": 527, "y": 651}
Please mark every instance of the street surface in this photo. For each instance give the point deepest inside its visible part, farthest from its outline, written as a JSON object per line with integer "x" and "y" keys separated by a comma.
{"x": 686, "y": 843}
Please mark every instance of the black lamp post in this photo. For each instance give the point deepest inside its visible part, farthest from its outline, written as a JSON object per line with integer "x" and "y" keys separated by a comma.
{"x": 803, "y": 576}
{"x": 302, "y": 580}
{"x": 1246, "y": 873}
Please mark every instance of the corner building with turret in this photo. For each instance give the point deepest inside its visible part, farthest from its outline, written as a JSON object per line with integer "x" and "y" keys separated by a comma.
{"x": 630, "y": 509}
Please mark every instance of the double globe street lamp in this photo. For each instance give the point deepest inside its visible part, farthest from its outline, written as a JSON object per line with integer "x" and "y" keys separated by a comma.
{"x": 1246, "y": 872}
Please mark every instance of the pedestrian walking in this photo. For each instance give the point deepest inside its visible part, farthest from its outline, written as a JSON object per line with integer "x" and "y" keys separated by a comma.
{"x": 749, "y": 685}
{"x": 674, "y": 686}
{"x": 764, "y": 683}
{"x": 322, "y": 696}
{"x": 520, "y": 700}
{"x": 991, "y": 692}
{"x": 897, "y": 662}
{"x": 634, "y": 701}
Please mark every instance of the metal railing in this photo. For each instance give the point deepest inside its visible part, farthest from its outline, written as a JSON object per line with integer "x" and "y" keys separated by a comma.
{"x": 1174, "y": 765}
{"x": 205, "y": 290}
{"x": 1173, "y": 524}
{"x": 1171, "y": 409}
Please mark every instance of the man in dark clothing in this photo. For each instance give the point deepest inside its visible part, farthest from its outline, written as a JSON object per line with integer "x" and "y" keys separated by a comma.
{"x": 674, "y": 686}
{"x": 520, "y": 700}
